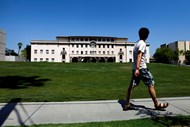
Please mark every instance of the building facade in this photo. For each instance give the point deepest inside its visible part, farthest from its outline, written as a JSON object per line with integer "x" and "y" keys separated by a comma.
{"x": 2, "y": 45}
{"x": 83, "y": 49}
{"x": 181, "y": 46}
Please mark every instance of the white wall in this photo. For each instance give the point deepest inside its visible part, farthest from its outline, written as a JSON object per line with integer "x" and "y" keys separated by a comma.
{"x": 130, "y": 53}
{"x": 14, "y": 58}
{"x": 58, "y": 46}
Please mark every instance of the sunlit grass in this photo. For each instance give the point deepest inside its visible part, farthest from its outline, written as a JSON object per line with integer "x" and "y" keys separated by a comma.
{"x": 85, "y": 81}
{"x": 178, "y": 121}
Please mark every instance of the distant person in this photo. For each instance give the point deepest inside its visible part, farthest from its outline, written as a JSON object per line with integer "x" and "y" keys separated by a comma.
{"x": 141, "y": 72}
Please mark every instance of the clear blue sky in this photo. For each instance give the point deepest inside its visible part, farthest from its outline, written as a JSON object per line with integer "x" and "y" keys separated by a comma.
{"x": 26, "y": 20}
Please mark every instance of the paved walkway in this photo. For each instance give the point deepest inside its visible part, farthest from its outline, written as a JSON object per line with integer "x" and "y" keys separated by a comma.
{"x": 21, "y": 113}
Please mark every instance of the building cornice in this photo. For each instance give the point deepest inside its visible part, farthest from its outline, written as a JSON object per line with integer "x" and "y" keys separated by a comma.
{"x": 87, "y": 37}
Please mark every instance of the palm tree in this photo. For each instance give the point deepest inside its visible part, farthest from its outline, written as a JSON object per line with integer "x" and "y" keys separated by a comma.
{"x": 19, "y": 47}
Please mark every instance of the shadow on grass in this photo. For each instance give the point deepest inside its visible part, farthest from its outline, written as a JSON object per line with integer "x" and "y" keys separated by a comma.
{"x": 169, "y": 121}
{"x": 20, "y": 82}
{"x": 166, "y": 118}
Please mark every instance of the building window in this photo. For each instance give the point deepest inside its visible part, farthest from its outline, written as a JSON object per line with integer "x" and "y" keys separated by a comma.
{"x": 112, "y": 40}
{"x": 41, "y": 51}
{"x": 77, "y": 46}
{"x": 41, "y": 59}
{"x": 112, "y": 52}
{"x": 73, "y": 52}
{"x": 99, "y": 39}
{"x": 92, "y": 52}
{"x": 86, "y": 39}
{"x": 103, "y": 52}
{"x": 72, "y": 39}
{"x": 81, "y": 45}
{"x": 35, "y": 59}
{"x": 35, "y": 51}
{"x": 52, "y": 51}
{"x": 47, "y": 51}
{"x": 108, "y": 52}
{"x": 77, "y": 39}
{"x": 86, "y": 46}
{"x": 86, "y": 52}
{"x": 63, "y": 52}
{"x": 93, "y": 44}
{"x": 52, "y": 59}
{"x": 81, "y": 52}
{"x": 120, "y": 52}
{"x": 130, "y": 52}
{"x": 77, "y": 52}
{"x": 47, "y": 59}
{"x": 81, "y": 39}
{"x": 120, "y": 57}
{"x": 99, "y": 46}
{"x": 112, "y": 46}
{"x": 93, "y": 39}
{"x": 103, "y": 46}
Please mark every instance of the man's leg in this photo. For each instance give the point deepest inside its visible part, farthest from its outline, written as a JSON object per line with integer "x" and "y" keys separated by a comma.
{"x": 134, "y": 82}
{"x": 129, "y": 92}
{"x": 152, "y": 93}
{"x": 147, "y": 78}
{"x": 154, "y": 99}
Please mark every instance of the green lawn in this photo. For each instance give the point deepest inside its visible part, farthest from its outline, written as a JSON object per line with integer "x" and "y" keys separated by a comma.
{"x": 178, "y": 121}
{"x": 85, "y": 81}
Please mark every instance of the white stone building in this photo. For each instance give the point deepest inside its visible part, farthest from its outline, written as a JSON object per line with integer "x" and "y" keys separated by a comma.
{"x": 83, "y": 49}
{"x": 181, "y": 46}
{"x": 2, "y": 45}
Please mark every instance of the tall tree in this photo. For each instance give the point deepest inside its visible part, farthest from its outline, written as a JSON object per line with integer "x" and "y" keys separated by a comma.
{"x": 26, "y": 52}
{"x": 19, "y": 47}
{"x": 176, "y": 54}
{"x": 166, "y": 55}
{"x": 187, "y": 57}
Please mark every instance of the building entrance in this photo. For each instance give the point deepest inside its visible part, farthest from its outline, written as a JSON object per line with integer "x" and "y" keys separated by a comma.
{"x": 93, "y": 59}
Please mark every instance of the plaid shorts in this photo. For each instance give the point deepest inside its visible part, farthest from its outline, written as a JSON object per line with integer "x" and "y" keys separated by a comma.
{"x": 145, "y": 76}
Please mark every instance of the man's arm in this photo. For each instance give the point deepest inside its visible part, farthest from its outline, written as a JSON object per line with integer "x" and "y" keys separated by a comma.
{"x": 138, "y": 63}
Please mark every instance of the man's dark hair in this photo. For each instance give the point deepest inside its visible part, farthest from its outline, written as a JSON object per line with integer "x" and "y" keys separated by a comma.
{"x": 143, "y": 33}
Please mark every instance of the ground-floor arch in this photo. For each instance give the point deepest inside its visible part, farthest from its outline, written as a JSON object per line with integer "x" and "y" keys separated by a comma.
{"x": 92, "y": 59}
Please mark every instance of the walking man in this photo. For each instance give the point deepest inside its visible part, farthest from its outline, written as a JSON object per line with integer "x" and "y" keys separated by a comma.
{"x": 141, "y": 72}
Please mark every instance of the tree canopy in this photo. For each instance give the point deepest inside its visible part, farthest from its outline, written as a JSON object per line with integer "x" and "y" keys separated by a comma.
{"x": 187, "y": 57}
{"x": 26, "y": 52}
{"x": 166, "y": 55}
{"x": 19, "y": 47}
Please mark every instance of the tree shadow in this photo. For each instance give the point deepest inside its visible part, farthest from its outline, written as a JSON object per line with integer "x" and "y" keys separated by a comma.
{"x": 169, "y": 121}
{"x": 166, "y": 118}
{"x": 20, "y": 82}
{"x": 7, "y": 109}
{"x": 11, "y": 107}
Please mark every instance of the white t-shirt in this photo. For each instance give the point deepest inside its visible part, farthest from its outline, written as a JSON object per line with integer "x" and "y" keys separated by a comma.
{"x": 139, "y": 46}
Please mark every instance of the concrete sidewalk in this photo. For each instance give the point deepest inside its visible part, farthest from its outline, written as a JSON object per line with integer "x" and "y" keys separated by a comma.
{"x": 86, "y": 111}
